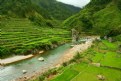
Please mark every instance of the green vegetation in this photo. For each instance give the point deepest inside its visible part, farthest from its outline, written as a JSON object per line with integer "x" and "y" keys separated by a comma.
{"x": 17, "y": 8}
{"x": 54, "y": 9}
{"x": 100, "y": 17}
{"x": 28, "y": 26}
{"x": 21, "y": 36}
{"x": 102, "y": 52}
{"x": 87, "y": 72}
{"x": 27, "y": 8}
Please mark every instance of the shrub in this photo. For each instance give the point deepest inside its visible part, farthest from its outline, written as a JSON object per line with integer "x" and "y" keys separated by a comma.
{"x": 65, "y": 64}
{"x": 41, "y": 78}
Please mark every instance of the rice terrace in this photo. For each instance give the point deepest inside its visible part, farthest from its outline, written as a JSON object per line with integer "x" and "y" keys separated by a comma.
{"x": 60, "y": 40}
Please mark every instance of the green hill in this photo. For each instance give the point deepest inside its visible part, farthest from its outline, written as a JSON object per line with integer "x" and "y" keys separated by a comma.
{"x": 48, "y": 9}
{"x": 21, "y": 36}
{"x": 98, "y": 17}
{"x": 17, "y": 8}
{"x": 54, "y": 9}
{"x": 28, "y": 26}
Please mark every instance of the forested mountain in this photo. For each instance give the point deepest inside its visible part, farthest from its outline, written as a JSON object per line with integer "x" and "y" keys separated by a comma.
{"x": 98, "y": 17}
{"x": 21, "y": 9}
{"x": 47, "y": 8}
{"x": 14, "y": 8}
{"x": 54, "y": 9}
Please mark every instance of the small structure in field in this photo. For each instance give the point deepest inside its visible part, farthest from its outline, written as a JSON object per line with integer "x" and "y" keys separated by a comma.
{"x": 101, "y": 77}
{"x": 96, "y": 64}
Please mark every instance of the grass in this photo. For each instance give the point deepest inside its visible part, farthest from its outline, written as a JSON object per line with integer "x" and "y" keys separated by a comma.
{"x": 90, "y": 74}
{"x": 102, "y": 52}
{"x": 21, "y": 35}
{"x": 85, "y": 72}
{"x": 112, "y": 59}
{"x": 69, "y": 73}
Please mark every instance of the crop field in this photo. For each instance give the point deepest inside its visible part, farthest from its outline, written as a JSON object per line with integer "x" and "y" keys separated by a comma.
{"x": 102, "y": 52}
{"x": 19, "y": 35}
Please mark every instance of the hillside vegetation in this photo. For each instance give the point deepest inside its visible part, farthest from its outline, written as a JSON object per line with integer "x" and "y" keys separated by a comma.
{"x": 54, "y": 9}
{"x": 98, "y": 17}
{"x": 27, "y": 38}
{"x": 28, "y": 26}
{"x": 102, "y": 61}
{"x": 82, "y": 66}
{"x": 26, "y": 8}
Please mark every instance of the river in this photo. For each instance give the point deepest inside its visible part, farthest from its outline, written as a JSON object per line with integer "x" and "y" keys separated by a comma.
{"x": 51, "y": 58}
{"x": 14, "y": 71}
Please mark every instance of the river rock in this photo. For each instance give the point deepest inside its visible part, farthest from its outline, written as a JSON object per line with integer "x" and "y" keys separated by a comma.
{"x": 72, "y": 45}
{"x": 24, "y": 71}
{"x": 41, "y": 59}
{"x": 25, "y": 77}
{"x": 53, "y": 46}
{"x": 100, "y": 77}
{"x": 47, "y": 47}
{"x": 105, "y": 37}
{"x": 98, "y": 38}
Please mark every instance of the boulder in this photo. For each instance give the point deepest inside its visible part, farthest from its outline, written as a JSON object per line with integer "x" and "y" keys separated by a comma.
{"x": 41, "y": 59}
{"x": 105, "y": 37}
{"x": 24, "y": 71}
{"x": 72, "y": 46}
{"x": 98, "y": 38}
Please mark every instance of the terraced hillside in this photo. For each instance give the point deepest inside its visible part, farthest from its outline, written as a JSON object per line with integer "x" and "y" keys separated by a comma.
{"x": 21, "y": 36}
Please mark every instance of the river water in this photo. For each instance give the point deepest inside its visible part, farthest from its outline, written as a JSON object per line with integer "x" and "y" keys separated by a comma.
{"x": 14, "y": 71}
